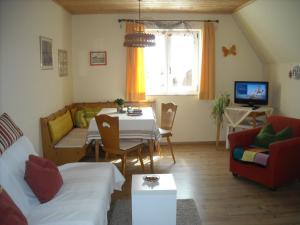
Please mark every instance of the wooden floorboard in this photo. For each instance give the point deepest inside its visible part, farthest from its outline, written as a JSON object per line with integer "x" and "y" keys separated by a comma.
{"x": 201, "y": 173}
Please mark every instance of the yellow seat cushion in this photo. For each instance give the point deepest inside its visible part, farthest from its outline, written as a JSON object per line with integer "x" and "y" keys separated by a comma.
{"x": 60, "y": 126}
{"x": 248, "y": 156}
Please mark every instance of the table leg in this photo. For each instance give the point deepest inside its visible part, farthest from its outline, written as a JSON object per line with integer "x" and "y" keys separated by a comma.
{"x": 151, "y": 143}
{"x": 97, "y": 150}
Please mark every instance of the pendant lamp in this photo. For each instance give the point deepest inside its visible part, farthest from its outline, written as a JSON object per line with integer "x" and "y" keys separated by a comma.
{"x": 139, "y": 39}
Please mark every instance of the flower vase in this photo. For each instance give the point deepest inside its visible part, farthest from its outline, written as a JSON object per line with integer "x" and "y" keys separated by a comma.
{"x": 120, "y": 108}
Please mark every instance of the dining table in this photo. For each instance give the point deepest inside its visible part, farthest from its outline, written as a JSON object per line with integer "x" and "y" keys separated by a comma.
{"x": 131, "y": 126}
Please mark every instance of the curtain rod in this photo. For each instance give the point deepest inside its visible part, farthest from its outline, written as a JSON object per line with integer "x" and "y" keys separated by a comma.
{"x": 132, "y": 20}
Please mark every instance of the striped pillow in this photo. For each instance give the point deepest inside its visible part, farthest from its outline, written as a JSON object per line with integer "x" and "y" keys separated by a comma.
{"x": 9, "y": 132}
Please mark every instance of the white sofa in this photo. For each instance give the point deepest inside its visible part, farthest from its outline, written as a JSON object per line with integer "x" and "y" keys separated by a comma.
{"x": 84, "y": 198}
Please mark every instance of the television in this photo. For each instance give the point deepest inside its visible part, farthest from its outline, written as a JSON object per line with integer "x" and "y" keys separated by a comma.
{"x": 251, "y": 93}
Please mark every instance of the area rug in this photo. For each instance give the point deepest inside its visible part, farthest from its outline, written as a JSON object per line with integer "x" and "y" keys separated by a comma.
{"x": 187, "y": 214}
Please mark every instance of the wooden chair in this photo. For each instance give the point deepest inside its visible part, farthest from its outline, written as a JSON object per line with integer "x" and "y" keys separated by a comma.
{"x": 109, "y": 130}
{"x": 168, "y": 112}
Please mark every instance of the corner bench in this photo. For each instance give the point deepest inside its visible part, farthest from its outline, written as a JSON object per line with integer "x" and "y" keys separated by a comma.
{"x": 69, "y": 145}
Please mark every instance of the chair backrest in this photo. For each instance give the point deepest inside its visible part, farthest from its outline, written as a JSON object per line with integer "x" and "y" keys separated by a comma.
{"x": 168, "y": 112}
{"x": 109, "y": 130}
{"x": 281, "y": 122}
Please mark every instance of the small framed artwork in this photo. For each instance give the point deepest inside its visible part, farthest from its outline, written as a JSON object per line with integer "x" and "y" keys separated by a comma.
{"x": 98, "y": 58}
{"x": 62, "y": 63}
{"x": 46, "y": 53}
{"x": 295, "y": 72}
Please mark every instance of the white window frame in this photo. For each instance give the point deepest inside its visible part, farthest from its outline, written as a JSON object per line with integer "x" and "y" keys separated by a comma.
{"x": 194, "y": 90}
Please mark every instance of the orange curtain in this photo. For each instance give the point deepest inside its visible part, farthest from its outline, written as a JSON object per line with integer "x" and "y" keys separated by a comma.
{"x": 207, "y": 81}
{"x": 135, "y": 75}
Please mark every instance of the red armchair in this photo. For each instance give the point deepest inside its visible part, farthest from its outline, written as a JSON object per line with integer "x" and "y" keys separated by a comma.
{"x": 284, "y": 160}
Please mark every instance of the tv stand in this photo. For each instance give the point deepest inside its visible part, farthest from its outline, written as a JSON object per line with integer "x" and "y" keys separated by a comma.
{"x": 254, "y": 107}
{"x": 236, "y": 116}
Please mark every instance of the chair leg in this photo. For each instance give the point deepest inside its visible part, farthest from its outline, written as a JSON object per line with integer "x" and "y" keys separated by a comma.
{"x": 171, "y": 148}
{"x": 235, "y": 174}
{"x": 124, "y": 159}
{"x": 157, "y": 145}
{"x": 141, "y": 159}
{"x": 106, "y": 156}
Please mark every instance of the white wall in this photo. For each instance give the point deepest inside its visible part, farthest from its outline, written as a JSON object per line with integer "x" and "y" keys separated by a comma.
{"x": 103, "y": 32}
{"x": 27, "y": 92}
{"x": 272, "y": 28}
{"x": 285, "y": 91}
{"x": 94, "y": 83}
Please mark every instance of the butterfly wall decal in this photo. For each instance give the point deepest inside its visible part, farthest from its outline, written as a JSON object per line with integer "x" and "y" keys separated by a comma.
{"x": 229, "y": 51}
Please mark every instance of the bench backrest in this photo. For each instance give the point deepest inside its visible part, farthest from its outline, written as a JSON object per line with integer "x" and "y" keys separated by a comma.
{"x": 108, "y": 104}
{"x": 47, "y": 139}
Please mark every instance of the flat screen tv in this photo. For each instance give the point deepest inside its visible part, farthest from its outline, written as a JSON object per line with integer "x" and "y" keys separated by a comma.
{"x": 251, "y": 93}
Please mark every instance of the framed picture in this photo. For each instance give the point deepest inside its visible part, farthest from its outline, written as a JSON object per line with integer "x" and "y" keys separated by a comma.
{"x": 46, "y": 53}
{"x": 62, "y": 63}
{"x": 98, "y": 58}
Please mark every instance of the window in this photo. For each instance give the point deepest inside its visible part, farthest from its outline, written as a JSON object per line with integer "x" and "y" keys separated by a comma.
{"x": 172, "y": 66}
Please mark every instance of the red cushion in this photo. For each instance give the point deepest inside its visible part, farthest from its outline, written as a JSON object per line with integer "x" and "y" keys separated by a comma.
{"x": 43, "y": 177}
{"x": 10, "y": 214}
{"x": 43, "y": 162}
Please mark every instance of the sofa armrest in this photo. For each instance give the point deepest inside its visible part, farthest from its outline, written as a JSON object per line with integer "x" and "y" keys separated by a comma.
{"x": 243, "y": 138}
{"x": 285, "y": 155}
{"x": 286, "y": 147}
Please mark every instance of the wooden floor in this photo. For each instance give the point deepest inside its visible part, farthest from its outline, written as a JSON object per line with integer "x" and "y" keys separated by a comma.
{"x": 201, "y": 173}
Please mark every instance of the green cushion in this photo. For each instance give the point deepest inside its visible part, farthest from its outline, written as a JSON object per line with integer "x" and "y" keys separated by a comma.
{"x": 90, "y": 113}
{"x": 60, "y": 126}
{"x": 84, "y": 116}
{"x": 267, "y": 135}
{"x": 284, "y": 134}
{"x": 268, "y": 129}
{"x": 80, "y": 120}
{"x": 93, "y": 109}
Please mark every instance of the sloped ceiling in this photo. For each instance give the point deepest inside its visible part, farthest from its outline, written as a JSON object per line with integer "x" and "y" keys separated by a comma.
{"x": 273, "y": 29}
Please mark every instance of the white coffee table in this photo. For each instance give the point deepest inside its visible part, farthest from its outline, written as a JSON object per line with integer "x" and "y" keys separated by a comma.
{"x": 153, "y": 203}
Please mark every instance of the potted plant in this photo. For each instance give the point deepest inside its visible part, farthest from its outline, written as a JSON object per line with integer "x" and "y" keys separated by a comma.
{"x": 218, "y": 111}
{"x": 120, "y": 104}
